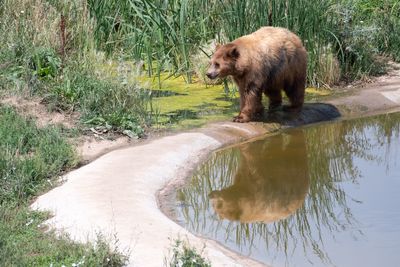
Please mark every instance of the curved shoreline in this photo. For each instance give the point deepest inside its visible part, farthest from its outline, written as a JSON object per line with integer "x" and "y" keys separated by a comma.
{"x": 119, "y": 193}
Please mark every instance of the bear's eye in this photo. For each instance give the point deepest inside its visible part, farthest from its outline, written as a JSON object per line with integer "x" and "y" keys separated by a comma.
{"x": 217, "y": 65}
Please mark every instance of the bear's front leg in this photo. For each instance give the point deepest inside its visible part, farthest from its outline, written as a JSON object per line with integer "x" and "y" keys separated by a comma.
{"x": 250, "y": 104}
{"x": 241, "y": 118}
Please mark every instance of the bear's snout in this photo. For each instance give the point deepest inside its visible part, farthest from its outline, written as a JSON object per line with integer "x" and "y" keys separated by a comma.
{"x": 212, "y": 75}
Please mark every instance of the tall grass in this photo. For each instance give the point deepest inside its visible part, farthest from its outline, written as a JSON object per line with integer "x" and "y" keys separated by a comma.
{"x": 166, "y": 33}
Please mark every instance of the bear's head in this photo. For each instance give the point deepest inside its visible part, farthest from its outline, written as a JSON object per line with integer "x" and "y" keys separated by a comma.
{"x": 226, "y": 205}
{"x": 223, "y": 62}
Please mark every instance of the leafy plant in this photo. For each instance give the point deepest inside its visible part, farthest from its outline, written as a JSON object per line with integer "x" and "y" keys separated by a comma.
{"x": 185, "y": 256}
{"x": 45, "y": 63}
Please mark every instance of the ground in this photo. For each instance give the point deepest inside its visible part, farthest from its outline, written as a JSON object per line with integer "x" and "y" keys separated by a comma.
{"x": 380, "y": 94}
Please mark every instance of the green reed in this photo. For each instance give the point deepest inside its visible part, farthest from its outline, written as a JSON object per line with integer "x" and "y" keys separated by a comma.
{"x": 165, "y": 33}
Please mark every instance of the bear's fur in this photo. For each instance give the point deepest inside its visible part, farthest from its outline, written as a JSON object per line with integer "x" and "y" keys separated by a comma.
{"x": 267, "y": 61}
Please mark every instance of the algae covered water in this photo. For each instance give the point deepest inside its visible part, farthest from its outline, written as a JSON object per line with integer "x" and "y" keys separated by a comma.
{"x": 324, "y": 195}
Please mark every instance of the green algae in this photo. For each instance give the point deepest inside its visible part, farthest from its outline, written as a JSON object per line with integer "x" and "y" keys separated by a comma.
{"x": 192, "y": 105}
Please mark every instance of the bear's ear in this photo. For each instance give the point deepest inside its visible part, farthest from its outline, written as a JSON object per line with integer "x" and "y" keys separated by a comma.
{"x": 214, "y": 194}
{"x": 217, "y": 46}
{"x": 233, "y": 52}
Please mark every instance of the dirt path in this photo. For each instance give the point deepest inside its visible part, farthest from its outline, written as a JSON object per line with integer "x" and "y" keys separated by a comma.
{"x": 117, "y": 193}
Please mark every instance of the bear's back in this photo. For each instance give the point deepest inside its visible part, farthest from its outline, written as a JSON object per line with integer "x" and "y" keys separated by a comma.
{"x": 275, "y": 37}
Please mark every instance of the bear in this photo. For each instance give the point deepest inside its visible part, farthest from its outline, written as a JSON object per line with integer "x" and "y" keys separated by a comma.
{"x": 266, "y": 61}
{"x": 266, "y": 187}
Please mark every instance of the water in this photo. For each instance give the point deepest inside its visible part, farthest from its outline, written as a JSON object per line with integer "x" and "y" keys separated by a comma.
{"x": 325, "y": 195}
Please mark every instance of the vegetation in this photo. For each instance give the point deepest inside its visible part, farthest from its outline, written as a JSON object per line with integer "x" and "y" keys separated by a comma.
{"x": 185, "y": 256}
{"x": 165, "y": 34}
{"x": 55, "y": 48}
{"x": 50, "y": 52}
{"x": 29, "y": 160}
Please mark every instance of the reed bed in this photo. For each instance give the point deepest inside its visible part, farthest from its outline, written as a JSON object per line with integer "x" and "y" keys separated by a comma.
{"x": 343, "y": 37}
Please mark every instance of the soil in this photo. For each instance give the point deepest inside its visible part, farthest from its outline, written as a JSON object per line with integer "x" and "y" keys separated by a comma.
{"x": 32, "y": 107}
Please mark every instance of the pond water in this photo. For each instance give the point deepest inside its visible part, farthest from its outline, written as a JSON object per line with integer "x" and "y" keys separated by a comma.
{"x": 323, "y": 195}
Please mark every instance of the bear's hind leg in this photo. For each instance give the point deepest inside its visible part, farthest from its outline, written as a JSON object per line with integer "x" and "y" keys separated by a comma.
{"x": 275, "y": 99}
{"x": 295, "y": 93}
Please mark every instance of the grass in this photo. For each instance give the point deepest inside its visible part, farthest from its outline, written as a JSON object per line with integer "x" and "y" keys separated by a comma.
{"x": 56, "y": 52}
{"x": 29, "y": 156}
{"x": 23, "y": 243}
{"x": 30, "y": 159}
{"x": 124, "y": 108}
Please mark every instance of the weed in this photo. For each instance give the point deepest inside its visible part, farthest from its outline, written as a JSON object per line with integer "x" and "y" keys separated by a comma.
{"x": 119, "y": 107}
{"x": 29, "y": 156}
{"x": 23, "y": 243}
{"x": 185, "y": 256}
{"x": 167, "y": 33}
{"x": 45, "y": 63}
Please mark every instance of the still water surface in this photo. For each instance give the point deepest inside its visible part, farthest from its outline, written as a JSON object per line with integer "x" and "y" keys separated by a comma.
{"x": 325, "y": 195}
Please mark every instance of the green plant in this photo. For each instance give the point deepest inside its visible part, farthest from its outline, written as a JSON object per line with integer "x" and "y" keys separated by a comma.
{"x": 165, "y": 34}
{"x": 185, "y": 256}
{"x": 327, "y": 67}
{"x": 385, "y": 17}
{"x": 59, "y": 63}
{"x": 24, "y": 243}
{"x": 45, "y": 63}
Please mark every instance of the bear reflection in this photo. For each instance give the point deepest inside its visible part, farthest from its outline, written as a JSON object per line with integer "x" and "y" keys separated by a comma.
{"x": 271, "y": 181}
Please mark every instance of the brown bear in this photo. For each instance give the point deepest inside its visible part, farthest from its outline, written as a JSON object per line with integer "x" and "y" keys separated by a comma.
{"x": 268, "y": 60}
